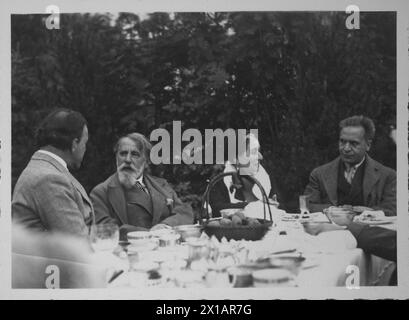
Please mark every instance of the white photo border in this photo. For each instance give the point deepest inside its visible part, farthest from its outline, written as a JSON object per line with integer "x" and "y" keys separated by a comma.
{"x": 401, "y": 7}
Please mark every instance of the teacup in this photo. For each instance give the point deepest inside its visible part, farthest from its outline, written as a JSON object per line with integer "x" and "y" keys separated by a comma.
{"x": 139, "y": 237}
{"x": 233, "y": 277}
{"x": 218, "y": 278}
{"x": 162, "y": 233}
{"x": 197, "y": 249}
{"x": 240, "y": 277}
{"x": 169, "y": 240}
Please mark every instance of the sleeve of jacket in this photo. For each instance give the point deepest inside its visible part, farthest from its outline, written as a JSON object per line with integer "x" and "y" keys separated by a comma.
{"x": 182, "y": 213}
{"x": 388, "y": 201}
{"x": 378, "y": 241}
{"x": 99, "y": 199}
{"x": 313, "y": 191}
{"x": 57, "y": 206}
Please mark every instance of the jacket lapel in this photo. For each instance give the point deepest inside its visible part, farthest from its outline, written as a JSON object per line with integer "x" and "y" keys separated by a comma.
{"x": 331, "y": 181}
{"x": 80, "y": 188}
{"x": 157, "y": 193}
{"x": 117, "y": 199}
{"x": 371, "y": 176}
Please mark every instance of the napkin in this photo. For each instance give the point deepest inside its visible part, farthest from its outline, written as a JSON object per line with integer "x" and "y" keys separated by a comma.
{"x": 255, "y": 210}
{"x": 329, "y": 242}
{"x": 370, "y": 215}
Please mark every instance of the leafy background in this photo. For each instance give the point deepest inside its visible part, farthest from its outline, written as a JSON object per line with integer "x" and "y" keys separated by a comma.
{"x": 292, "y": 75}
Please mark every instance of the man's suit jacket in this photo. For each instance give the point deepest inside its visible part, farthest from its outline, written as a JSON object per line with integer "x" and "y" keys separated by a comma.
{"x": 110, "y": 204}
{"x": 375, "y": 240}
{"x": 378, "y": 241}
{"x": 48, "y": 198}
{"x": 379, "y": 187}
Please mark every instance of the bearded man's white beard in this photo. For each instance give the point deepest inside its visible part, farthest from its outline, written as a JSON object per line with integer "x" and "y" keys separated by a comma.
{"x": 127, "y": 178}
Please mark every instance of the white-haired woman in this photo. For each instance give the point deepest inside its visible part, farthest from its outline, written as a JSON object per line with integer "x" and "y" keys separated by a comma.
{"x": 238, "y": 191}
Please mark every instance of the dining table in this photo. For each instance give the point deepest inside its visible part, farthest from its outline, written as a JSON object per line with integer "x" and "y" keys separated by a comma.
{"x": 330, "y": 259}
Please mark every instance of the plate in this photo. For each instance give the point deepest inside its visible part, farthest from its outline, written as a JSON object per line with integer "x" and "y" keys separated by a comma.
{"x": 385, "y": 220}
{"x": 376, "y": 222}
{"x": 311, "y": 261}
{"x": 296, "y": 217}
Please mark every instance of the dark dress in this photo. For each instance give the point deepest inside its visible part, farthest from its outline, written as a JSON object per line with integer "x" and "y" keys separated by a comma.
{"x": 219, "y": 198}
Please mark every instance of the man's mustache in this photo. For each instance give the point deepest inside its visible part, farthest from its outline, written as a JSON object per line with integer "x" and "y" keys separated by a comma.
{"x": 127, "y": 167}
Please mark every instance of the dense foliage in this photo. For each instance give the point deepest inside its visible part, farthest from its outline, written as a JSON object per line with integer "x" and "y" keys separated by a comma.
{"x": 291, "y": 75}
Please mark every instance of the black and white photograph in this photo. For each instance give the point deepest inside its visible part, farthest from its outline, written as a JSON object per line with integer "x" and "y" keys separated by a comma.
{"x": 205, "y": 152}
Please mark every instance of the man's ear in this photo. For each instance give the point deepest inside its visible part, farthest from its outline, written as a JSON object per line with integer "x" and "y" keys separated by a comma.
{"x": 74, "y": 144}
{"x": 368, "y": 143}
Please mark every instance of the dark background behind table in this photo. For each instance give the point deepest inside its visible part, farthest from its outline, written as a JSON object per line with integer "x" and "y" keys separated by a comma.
{"x": 292, "y": 75}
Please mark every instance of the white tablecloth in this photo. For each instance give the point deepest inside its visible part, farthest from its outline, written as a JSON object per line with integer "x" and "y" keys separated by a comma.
{"x": 330, "y": 258}
{"x": 335, "y": 269}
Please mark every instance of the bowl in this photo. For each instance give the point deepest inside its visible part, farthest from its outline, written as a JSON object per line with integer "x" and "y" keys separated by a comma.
{"x": 289, "y": 262}
{"x": 139, "y": 235}
{"x": 273, "y": 278}
{"x": 162, "y": 232}
{"x": 189, "y": 231}
{"x": 241, "y": 277}
{"x": 139, "y": 238}
{"x": 169, "y": 240}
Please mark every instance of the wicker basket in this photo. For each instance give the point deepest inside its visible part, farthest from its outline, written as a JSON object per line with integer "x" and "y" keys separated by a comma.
{"x": 254, "y": 232}
{"x": 239, "y": 232}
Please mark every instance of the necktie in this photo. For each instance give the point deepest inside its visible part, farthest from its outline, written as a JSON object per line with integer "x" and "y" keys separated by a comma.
{"x": 349, "y": 174}
{"x": 141, "y": 187}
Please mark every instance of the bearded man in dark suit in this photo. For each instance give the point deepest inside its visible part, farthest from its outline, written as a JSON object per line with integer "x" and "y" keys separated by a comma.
{"x": 135, "y": 199}
{"x": 354, "y": 179}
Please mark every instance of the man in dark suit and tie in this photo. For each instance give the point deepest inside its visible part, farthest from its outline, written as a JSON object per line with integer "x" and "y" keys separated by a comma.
{"x": 354, "y": 178}
{"x": 133, "y": 197}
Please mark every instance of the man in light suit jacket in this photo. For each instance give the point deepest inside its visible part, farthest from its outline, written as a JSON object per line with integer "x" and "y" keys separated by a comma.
{"x": 353, "y": 179}
{"x": 46, "y": 196}
{"x": 135, "y": 199}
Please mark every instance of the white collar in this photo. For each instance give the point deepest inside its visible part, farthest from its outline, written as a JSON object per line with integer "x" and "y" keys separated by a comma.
{"x": 55, "y": 157}
{"x": 359, "y": 164}
{"x": 140, "y": 180}
{"x": 261, "y": 175}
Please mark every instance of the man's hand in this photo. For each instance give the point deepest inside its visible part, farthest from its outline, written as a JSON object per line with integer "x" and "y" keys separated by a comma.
{"x": 160, "y": 226}
{"x": 340, "y": 216}
{"x": 315, "y": 228}
{"x": 371, "y": 215}
{"x": 360, "y": 209}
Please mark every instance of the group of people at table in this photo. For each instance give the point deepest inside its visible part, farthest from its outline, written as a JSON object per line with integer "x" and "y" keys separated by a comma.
{"x": 48, "y": 199}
